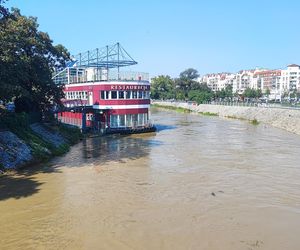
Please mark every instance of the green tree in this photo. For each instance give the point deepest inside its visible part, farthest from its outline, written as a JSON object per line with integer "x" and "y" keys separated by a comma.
{"x": 258, "y": 93}
{"x": 250, "y": 93}
{"x": 3, "y": 11}
{"x": 190, "y": 74}
{"x": 162, "y": 87}
{"x": 228, "y": 91}
{"x": 27, "y": 60}
{"x": 293, "y": 94}
{"x": 186, "y": 81}
{"x": 267, "y": 92}
{"x": 200, "y": 96}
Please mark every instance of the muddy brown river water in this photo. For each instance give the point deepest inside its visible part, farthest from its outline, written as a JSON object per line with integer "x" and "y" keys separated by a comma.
{"x": 198, "y": 183}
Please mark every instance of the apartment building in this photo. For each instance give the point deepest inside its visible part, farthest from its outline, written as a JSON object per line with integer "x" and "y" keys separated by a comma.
{"x": 269, "y": 81}
{"x": 217, "y": 81}
{"x": 290, "y": 78}
{"x": 274, "y": 82}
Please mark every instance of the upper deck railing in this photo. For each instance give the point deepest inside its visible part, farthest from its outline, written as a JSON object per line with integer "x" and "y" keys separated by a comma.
{"x": 80, "y": 75}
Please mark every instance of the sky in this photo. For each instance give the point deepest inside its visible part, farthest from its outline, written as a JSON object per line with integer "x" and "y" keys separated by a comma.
{"x": 166, "y": 37}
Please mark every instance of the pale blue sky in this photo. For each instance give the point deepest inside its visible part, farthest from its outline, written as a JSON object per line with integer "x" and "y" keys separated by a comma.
{"x": 166, "y": 37}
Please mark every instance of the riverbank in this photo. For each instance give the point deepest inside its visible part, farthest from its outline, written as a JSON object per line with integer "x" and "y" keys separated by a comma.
{"x": 286, "y": 119}
{"x": 22, "y": 143}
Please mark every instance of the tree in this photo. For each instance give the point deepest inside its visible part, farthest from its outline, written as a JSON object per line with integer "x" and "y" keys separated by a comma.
{"x": 267, "y": 92}
{"x": 228, "y": 91}
{"x": 162, "y": 87}
{"x": 186, "y": 81}
{"x": 3, "y": 11}
{"x": 27, "y": 61}
{"x": 252, "y": 93}
{"x": 200, "y": 96}
{"x": 258, "y": 93}
{"x": 189, "y": 73}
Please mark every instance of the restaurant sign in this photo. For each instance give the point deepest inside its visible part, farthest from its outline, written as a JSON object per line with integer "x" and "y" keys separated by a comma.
{"x": 130, "y": 87}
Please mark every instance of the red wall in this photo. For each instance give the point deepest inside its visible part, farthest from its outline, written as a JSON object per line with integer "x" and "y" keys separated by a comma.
{"x": 97, "y": 88}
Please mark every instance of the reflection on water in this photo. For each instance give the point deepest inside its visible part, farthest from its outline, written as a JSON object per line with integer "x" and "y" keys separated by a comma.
{"x": 198, "y": 183}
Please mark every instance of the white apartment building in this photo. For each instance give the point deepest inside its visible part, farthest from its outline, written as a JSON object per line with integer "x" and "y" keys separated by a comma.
{"x": 217, "y": 81}
{"x": 243, "y": 79}
{"x": 290, "y": 78}
{"x": 277, "y": 82}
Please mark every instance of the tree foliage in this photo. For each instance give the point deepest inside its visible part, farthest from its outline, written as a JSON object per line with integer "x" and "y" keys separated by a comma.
{"x": 183, "y": 88}
{"x": 27, "y": 60}
{"x": 190, "y": 74}
{"x": 3, "y": 11}
{"x": 224, "y": 93}
{"x": 186, "y": 81}
{"x": 162, "y": 87}
{"x": 252, "y": 93}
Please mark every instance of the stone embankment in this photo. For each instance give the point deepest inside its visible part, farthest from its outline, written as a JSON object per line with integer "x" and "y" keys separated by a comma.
{"x": 34, "y": 143}
{"x": 13, "y": 151}
{"x": 287, "y": 119}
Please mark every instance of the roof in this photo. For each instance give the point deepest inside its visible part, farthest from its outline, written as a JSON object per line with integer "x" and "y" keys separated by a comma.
{"x": 294, "y": 65}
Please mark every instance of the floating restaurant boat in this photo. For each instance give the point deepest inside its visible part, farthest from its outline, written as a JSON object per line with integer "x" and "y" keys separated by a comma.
{"x": 101, "y": 98}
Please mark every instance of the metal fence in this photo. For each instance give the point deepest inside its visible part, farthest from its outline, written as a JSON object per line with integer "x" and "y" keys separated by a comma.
{"x": 255, "y": 104}
{"x": 237, "y": 104}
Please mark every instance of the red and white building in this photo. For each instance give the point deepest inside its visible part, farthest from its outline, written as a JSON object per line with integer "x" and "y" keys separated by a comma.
{"x": 105, "y": 100}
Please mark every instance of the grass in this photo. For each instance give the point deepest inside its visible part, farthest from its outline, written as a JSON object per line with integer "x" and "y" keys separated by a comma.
{"x": 177, "y": 109}
{"x": 208, "y": 114}
{"x": 235, "y": 117}
{"x": 183, "y": 110}
{"x": 254, "y": 122}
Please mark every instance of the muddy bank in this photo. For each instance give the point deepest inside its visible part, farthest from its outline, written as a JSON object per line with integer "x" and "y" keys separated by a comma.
{"x": 286, "y": 119}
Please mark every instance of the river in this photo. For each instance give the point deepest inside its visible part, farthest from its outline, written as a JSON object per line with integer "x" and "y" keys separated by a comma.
{"x": 198, "y": 183}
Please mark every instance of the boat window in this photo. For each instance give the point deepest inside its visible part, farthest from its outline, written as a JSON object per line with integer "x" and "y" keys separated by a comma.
{"x": 114, "y": 95}
{"x": 102, "y": 95}
{"x": 128, "y": 94}
{"x": 106, "y": 94}
{"x": 140, "y": 94}
{"x": 121, "y": 94}
{"x": 134, "y": 94}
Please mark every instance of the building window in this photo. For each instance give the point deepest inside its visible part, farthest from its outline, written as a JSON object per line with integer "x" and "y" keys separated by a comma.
{"x": 134, "y": 94}
{"x": 134, "y": 120}
{"x": 128, "y": 95}
{"x": 128, "y": 121}
{"x": 121, "y": 94}
{"x": 145, "y": 118}
{"x": 114, "y": 95}
{"x": 141, "y": 119}
{"x": 121, "y": 120}
{"x": 106, "y": 95}
{"x": 102, "y": 94}
{"x": 147, "y": 95}
{"x": 113, "y": 121}
{"x": 140, "y": 94}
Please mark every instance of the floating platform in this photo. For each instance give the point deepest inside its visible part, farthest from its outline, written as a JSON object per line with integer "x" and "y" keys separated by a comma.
{"x": 128, "y": 131}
